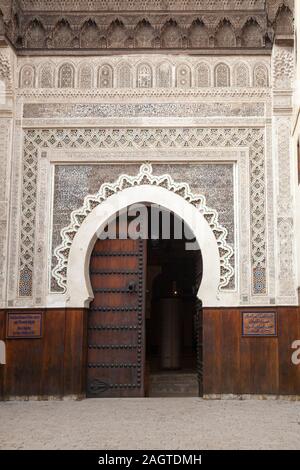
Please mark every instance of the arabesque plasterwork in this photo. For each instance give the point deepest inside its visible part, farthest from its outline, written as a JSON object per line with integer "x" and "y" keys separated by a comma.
{"x": 283, "y": 76}
{"x": 144, "y": 72}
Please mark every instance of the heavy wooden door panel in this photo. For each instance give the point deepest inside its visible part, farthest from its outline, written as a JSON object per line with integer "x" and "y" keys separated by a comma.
{"x": 116, "y": 325}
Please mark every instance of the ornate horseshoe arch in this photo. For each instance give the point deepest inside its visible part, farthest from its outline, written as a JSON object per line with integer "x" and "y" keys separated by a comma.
{"x": 71, "y": 270}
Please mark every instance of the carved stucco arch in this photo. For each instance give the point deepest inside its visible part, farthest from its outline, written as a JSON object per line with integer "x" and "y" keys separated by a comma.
{"x": 78, "y": 239}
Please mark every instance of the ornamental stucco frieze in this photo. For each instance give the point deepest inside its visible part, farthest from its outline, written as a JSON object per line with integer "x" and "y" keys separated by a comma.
{"x": 6, "y": 71}
{"x": 145, "y": 73}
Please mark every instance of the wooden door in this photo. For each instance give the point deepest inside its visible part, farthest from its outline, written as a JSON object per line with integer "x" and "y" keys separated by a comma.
{"x": 198, "y": 322}
{"x": 116, "y": 323}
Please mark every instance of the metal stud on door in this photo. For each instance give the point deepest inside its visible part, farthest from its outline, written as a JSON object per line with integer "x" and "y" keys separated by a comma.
{"x": 116, "y": 324}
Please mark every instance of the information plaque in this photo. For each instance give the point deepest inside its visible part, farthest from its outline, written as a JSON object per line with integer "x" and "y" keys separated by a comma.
{"x": 259, "y": 324}
{"x": 24, "y": 325}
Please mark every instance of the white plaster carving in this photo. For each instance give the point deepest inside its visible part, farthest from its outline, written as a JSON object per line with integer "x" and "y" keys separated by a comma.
{"x": 36, "y": 95}
{"x": 79, "y": 292}
{"x": 222, "y": 75}
{"x": 285, "y": 221}
{"x": 46, "y": 76}
{"x": 86, "y": 76}
{"x": 241, "y": 75}
{"x": 283, "y": 74}
{"x": 127, "y": 72}
{"x": 5, "y": 159}
{"x": 283, "y": 67}
{"x": 5, "y": 71}
{"x": 27, "y": 77}
{"x": 105, "y": 76}
{"x": 260, "y": 76}
{"x": 66, "y": 76}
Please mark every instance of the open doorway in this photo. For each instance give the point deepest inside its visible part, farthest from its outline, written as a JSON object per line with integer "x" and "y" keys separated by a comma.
{"x": 173, "y": 314}
{"x": 144, "y": 323}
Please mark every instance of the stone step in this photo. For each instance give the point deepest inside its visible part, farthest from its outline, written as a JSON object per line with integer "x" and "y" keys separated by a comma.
{"x": 173, "y": 384}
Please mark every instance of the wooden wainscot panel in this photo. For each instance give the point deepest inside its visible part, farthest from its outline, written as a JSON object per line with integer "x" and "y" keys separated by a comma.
{"x": 34, "y": 366}
{"x": 289, "y": 333}
{"x": 235, "y": 363}
{"x": 259, "y": 323}
{"x": 2, "y": 338}
{"x": 250, "y": 350}
{"x": 46, "y": 353}
{"x": 230, "y": 357}
{"x": 259, "y": 344}
{"x": 51, "y": 365}
{"x": 23, "y": 325}
{"x": 75, "y": 352}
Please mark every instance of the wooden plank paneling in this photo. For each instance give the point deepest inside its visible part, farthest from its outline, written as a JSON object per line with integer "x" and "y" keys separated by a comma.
{"x": 230, "y": 350}
{"x": 53, "y": 365}
{"x": 245, "y": 364}
{"x": 258, "y": 362}
{"x": 75, "y": 352}
{"x": 289, "y": 328}
{"x": 23, "y": 370}
{"x": 212, "y": 361}
{"x": 257, "y": 365}
{"x": 34, "y": 366}
{"x": 263, "y": 365}
{"x": 2, "y": 367}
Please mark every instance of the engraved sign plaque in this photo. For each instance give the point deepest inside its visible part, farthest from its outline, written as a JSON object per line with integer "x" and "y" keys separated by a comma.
{"x": 24, "y": 325}
{"x": 259, "y": 324}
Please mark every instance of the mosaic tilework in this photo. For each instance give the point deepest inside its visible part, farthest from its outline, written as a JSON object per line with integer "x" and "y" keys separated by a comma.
{"x": 216, "y": 183}
{"x": 29, "y": 197}
{"x": 73, "y": 182}
{"x": 143, "y": 177}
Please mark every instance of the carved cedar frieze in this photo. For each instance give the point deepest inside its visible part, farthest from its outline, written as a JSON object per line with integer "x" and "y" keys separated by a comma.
{"x": 174, "y": 24}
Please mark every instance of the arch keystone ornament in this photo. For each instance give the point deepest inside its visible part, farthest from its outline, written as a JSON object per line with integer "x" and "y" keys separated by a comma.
{"x": 91, "y": 218}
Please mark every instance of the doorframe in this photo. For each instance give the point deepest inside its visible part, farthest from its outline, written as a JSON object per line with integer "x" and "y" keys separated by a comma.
{"x": 79, "y": 290}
